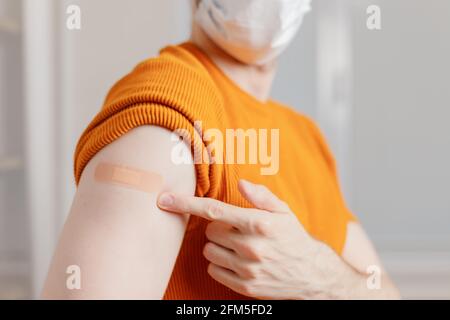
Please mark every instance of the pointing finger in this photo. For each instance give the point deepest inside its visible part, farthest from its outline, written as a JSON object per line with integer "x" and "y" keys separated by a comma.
{"x": 246, "y": 220}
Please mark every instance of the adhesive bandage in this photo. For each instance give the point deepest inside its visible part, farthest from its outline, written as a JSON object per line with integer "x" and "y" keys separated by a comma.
{"x": 131, "y": 178}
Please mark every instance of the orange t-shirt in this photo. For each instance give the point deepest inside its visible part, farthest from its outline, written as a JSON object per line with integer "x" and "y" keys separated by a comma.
{"x": 183, "y": 86}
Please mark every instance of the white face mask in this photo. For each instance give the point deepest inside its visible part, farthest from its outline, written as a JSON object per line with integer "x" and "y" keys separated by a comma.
{"x": 252, "y": 31}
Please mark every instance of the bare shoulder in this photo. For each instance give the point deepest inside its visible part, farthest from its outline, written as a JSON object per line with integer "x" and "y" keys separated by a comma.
{"x": 122, "y": 244}
{"x": 148, "y": 148}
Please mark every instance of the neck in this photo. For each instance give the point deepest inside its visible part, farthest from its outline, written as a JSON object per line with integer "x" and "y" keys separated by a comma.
{"x": 255, "y": 80}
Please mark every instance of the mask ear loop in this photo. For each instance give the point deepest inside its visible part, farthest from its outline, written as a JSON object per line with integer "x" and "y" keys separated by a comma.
{"x": 148, "y": 182}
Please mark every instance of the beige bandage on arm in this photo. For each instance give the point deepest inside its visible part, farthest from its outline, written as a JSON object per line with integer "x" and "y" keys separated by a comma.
{"x": 128, "y": 177}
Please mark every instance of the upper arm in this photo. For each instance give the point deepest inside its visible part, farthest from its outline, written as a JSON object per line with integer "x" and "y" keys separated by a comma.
{"x": 359, "y": 251}
{"x": 123, "y": 244}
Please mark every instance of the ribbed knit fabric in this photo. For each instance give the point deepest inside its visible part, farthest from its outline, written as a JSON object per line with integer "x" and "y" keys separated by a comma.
{"x": 182, "y": 86}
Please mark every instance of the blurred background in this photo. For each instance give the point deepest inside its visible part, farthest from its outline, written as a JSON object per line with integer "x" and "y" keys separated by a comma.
{"x": 382, "y": 97}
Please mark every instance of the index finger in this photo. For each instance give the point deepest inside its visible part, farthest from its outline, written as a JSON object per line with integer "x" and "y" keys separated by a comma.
{"x": 213, "y": 210}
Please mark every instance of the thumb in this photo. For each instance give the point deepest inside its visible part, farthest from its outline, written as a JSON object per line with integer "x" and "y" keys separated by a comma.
{"x": 261, "y": 197}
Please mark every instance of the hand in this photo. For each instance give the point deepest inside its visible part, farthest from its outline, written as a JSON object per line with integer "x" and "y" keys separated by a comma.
{"x": 261, "y": 253}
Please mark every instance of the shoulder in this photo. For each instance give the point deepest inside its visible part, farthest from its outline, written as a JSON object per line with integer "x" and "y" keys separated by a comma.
{"x": 171, "y": 91}
{"x": 147, "y": 149}
{"x": 297, "y": 118}
{"x": 175, "y": 77}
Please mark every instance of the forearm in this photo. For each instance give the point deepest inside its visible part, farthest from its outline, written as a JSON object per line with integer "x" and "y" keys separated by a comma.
{"x": 339, "y": 280}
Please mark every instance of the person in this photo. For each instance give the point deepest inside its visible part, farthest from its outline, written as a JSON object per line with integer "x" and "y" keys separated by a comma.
{"x": 212, "y": 228}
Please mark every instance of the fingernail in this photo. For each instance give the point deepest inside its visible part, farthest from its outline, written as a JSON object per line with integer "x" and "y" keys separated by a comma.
{"x": 165, "y": 200}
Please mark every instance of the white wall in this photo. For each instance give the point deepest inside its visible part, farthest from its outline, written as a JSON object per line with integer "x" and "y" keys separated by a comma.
{"x": 401, "y": 139}
{"x": 14, "y": 250}
{"x": 401, "y": 135}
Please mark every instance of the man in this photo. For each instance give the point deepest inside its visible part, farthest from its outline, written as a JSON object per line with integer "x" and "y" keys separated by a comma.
{"x": 145, "y": 225}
